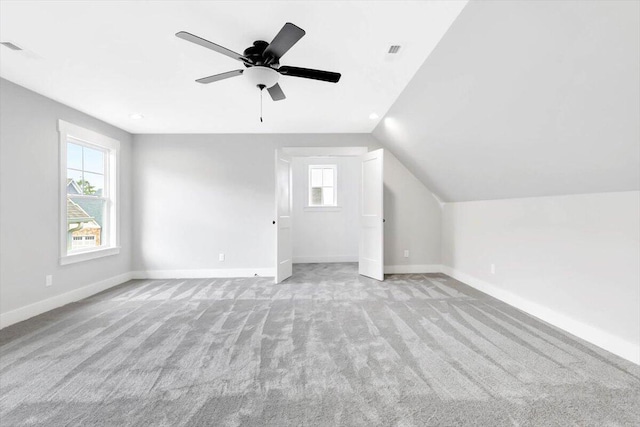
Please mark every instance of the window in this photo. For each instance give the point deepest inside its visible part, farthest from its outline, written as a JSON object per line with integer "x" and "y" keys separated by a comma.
{"x": 88, "y": 203}
{"x": 322, "y": 186}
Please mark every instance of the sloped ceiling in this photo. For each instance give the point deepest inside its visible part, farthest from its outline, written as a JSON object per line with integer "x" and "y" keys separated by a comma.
{"x": 523, "y": 99}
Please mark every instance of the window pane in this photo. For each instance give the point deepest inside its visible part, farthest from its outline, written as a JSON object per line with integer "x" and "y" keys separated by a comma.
{"x": 85, "y": 221}
{"x": 73, "y": 178}
{"x": 93, "y": 160}
{"x": 327, "y": 177}
{"x": 74, "y": 156}
{"x": 93, "y": 184}
{"x": 316, "y": 196}
{"x": 327, "y": 196}
{"x": 316, "y": 177}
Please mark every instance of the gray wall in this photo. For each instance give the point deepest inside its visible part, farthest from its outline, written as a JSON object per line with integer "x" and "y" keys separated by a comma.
{"x": 577, "y": 256}
{"x": 29, "y": 200}
{"x": 413, "y": 219}
{"x": 196, "y": 196}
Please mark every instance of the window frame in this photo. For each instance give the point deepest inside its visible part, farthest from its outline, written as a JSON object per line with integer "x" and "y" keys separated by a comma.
{"x": 78, "y": 135}
{"x": 335, "y": 204}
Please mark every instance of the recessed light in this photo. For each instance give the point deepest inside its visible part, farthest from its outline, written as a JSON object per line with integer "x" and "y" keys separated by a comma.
{"x": 136, "y": 116}
{"x": 374, "y": 116}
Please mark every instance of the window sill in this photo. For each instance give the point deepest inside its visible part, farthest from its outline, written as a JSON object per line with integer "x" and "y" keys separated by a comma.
{"x": 322, "y": 208}
{"x": 88, "y": 255}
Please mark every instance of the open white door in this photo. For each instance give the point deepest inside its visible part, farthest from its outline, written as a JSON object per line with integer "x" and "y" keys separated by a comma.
{"x": 284, "y": 244}
{"x": 371, "y": 258}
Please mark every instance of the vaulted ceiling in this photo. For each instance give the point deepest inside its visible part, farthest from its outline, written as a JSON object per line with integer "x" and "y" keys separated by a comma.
{"x": 525, "y": 98}
{"x": 112, "y": 59}
{"x": 514, "y": 99}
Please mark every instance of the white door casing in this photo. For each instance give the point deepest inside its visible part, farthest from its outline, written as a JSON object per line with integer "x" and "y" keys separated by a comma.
{"x": 284, "y": 202}
{"x": 371, "y": 258}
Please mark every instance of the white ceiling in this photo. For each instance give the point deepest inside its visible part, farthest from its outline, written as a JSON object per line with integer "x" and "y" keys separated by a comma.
{"x": 525, "y": 99}
{"x": 111, "y": 59}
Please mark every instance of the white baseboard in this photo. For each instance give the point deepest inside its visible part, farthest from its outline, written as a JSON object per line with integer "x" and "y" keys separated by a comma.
{"x": 203, "y": 273}
{"x": 412, "y": 269}
{"x": 596, "y": 336}
{"x": 324, "y": 259}
{"x": 31, "y": 310}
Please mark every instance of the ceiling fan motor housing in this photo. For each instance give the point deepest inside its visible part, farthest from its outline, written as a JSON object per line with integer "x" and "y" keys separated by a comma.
{"x": 256, "y": 56}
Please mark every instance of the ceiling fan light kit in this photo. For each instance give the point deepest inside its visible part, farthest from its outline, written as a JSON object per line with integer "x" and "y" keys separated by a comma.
{"x": 261, "y": 76}
{"x": 262, "y": 61}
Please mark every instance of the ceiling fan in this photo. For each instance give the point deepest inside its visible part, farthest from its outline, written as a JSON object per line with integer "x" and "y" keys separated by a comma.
{"x": 262, "y": 61}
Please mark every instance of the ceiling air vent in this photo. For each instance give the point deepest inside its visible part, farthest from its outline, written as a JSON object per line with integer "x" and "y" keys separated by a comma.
{"x": 394, "y": 48}
{"x": 11, "y": 46}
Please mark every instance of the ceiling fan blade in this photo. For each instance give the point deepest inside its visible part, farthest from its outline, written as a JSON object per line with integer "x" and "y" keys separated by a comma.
{"x": 282, "y": 42}
{"x": 210, "y": 45}
{"x": 220, "y": 76}
{"x": 307, "y": 73}
{"x": 276, "y": 92}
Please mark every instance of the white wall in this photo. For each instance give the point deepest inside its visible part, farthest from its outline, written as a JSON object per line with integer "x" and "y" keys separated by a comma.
{"x": 29, "y": 206}
{"x": 571, "y": 260}
{"x": 196, "y": 196}
{"x": 326, "y": 234}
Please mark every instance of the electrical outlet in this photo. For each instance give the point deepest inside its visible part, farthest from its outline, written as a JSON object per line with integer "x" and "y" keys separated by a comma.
{"x": 48, "y": 280}
{"x": 220, "y": 257}
{"x": 406, "y": 253}
{"x": 493, "y": 269}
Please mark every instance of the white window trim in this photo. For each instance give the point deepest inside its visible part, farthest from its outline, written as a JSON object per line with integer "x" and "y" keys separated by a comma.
{"x": 323, "y": 208}
{"x": 325, "y": 151}
{"x": 112, "y": 233}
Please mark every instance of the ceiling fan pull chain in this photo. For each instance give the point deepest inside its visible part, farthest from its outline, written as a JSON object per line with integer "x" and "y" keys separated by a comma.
{"x": 261, "y": 87}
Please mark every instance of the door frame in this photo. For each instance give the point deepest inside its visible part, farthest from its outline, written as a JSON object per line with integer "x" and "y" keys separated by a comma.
{"x": 352, "y": 151}
{"x": 325, "y": 151}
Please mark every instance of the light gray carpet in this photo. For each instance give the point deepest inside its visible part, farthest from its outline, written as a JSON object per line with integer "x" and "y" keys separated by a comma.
{"x": 325, "y": 348}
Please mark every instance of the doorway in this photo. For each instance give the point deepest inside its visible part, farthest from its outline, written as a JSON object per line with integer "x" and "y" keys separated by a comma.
{"x": 329, "y": 208}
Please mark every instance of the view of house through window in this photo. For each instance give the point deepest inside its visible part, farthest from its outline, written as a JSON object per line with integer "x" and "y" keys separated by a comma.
{"x": 86, "y": 196}
{"x": 322, "y": 185}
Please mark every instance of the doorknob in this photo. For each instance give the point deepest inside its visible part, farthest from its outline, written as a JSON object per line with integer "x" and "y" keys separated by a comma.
{"x": 274, "y": 222}
{"x": 384, "y": 220}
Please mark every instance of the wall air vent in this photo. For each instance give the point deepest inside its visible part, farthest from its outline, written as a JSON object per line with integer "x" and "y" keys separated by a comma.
{"x": 394, "y": 48}
{"x": 11, "y": 46}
